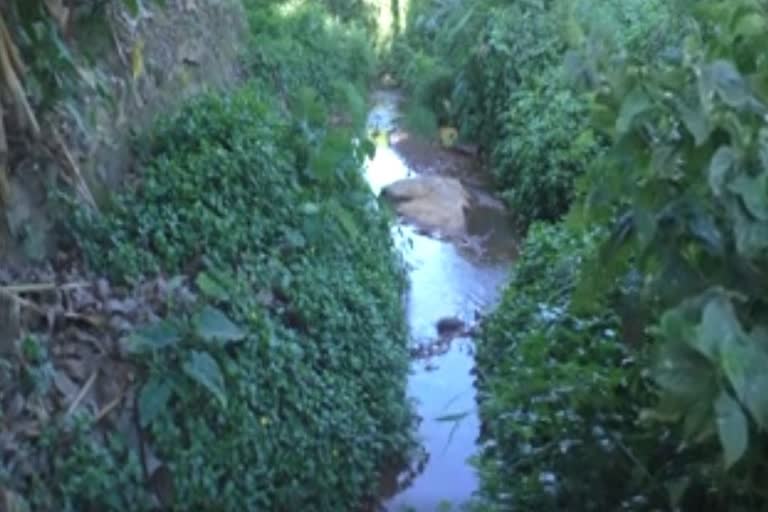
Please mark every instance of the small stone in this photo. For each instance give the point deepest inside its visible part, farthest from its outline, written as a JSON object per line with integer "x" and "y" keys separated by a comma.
{"x": 449, "y": 326}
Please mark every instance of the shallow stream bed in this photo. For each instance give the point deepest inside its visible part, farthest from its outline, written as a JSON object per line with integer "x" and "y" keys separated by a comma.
{"x": 458, "y": 278}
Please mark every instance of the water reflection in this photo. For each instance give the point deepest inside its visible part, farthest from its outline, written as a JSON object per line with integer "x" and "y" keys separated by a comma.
{"x": 447, "y": 279}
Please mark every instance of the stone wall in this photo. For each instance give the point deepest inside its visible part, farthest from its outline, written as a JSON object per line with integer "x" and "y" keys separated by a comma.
{"x": 145, "y": 65}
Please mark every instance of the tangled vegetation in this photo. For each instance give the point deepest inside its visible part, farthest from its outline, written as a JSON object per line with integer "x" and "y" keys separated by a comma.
{"x": 560, "y": 431}
{"x": 625, "y": 368}
{"x": 304, "y": 408}
{"x": 495, "y": 70}
{"x": 281, "y": 384}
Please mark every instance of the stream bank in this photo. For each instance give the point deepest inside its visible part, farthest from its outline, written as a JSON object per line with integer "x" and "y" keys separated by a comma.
{"x": 451, "y": 275}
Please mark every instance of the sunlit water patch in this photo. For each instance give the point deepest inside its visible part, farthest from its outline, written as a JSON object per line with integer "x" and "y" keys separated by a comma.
{"x": 446, "y": 280}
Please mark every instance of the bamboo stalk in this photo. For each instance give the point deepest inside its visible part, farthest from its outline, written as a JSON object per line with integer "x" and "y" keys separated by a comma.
{"x": 82, "y": 185}
{"x": 13, "y": 51}
{"x": 8, "y": 69}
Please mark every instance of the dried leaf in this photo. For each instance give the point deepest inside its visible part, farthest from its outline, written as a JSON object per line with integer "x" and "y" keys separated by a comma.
{"x": 137, "y": 59}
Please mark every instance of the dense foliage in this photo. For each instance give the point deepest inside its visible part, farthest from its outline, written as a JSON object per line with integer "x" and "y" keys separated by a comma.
{"x": 684, "y": 193}
{"x": 560, "y": 432}
{"x": 625, "y": 368}
{"x": 283, "y": 388}
{"x": 305, "y": 46}
{"x": 495, "y": 70}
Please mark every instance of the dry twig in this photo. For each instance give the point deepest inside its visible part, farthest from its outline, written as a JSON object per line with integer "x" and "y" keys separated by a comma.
{"x": 83, "y": 391}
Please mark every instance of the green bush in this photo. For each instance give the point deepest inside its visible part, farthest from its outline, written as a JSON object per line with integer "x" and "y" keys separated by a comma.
{"x": 560, "y": 394}
{"x": 308, "y": 46}
{"x": 258, "y": 195}
{"x": 683, "y": 192}
{"x": 300, "y": 413}
{"x": 544, "y": 147}
{"x": 503, "y": 74}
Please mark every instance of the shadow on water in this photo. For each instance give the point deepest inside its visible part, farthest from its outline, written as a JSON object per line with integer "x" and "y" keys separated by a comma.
{"x": 459, "y": 278}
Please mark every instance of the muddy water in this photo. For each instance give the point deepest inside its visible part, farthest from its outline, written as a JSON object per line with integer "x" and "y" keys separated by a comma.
{"x": 447, "y": 279}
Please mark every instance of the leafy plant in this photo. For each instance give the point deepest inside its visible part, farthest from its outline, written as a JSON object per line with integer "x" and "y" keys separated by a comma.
{"x": 303, "y": 48}
{"x": 287, "y": 390}
{"x": 544, "y": 147}
{"x": 683, "y": 193}
{"x": 561, "y": 395}
{"x": 496, "y": 70}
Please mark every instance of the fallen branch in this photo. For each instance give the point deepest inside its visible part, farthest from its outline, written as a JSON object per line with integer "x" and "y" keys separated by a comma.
{"x": 82, "y": 185}
{"x": 23, "y": 302}
{"x": 83, "y": 391}
{"x": 29, "y": 288}
{"x": 109, "y": 407}
{"x": 16, "y": 289}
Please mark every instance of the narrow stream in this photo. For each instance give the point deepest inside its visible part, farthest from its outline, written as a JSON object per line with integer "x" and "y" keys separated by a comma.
{"x": 446, "y": 280}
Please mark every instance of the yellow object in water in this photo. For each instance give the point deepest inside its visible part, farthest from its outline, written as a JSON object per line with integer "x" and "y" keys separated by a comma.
{"x": 448, "y": 136}
{"x": 380, "y": 138}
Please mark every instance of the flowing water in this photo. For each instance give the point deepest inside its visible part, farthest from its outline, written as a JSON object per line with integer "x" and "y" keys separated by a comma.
{"x": 447, "y": 279}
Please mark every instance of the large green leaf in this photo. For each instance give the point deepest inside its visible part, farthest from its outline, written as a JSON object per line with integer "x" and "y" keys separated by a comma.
{"x": 211, "y": 287}
{"x": 153, "y": 398}
{"x": 721, "y": 164}
{"x": 750, "y": 25}
{"x": 745, "y": 363}
{"x": 728, "y": 83}
{"x": 684, "y": 374}
{"x": 696, "y": 121}
{"x": 155, "y": 336}
{"x": 213, "y": 325}
{"x": 732, "y": 428}
{"x": 204, "y": 370}
{"x": 754, "y": 392}
{"x": 751, "y": 235}
{"x": 753, "y": 193}
{"x": 719, "y": 328}
{"x": 635, "y": 103}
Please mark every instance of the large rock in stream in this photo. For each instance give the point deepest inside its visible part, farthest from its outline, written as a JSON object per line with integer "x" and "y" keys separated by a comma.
{"x": 431, "y": 202}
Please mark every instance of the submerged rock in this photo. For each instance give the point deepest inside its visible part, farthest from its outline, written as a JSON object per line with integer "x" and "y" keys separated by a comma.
{"x": 450, "y": 326}
{"x": 431, "y": 202}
